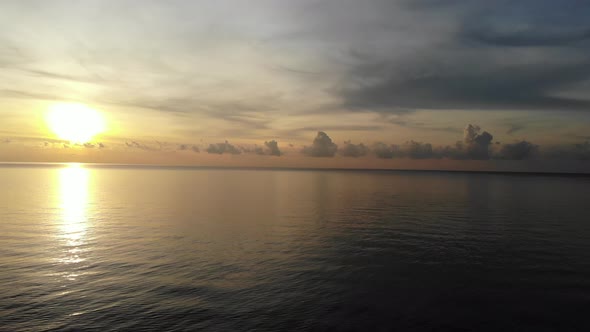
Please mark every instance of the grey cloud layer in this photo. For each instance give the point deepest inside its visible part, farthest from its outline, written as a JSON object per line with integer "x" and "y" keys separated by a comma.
{"x": 499, "y": 55}
{"x": 377, "y": 55}
{"x": 476, "y": 144}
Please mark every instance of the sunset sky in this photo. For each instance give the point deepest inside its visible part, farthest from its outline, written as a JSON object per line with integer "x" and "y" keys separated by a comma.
{"x": 253, "y": 82}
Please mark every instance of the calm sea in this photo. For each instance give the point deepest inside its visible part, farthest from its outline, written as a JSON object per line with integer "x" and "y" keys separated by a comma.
{"x": 156, "y": 249}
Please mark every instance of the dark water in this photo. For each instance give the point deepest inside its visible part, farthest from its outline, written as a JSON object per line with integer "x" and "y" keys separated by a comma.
{"x": 123, "y": 249}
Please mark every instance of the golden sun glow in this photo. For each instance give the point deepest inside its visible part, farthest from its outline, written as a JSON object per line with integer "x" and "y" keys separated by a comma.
{"x": 76, "y": 123}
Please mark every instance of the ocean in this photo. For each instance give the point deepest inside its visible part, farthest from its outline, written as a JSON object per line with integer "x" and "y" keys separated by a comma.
{"x": 123, "y": 248}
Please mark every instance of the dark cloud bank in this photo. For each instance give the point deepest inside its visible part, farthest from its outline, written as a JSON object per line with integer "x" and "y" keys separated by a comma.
{"x": 477, "y": 144}
{"x": 270, "y": 148}
{"x": 472, "y": 55}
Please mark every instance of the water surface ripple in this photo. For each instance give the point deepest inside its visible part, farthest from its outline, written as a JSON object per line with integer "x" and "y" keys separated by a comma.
{"x": 145, "y": 249}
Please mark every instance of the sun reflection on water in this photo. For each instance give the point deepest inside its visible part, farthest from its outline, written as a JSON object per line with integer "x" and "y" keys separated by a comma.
{"x": 73, "y": 189}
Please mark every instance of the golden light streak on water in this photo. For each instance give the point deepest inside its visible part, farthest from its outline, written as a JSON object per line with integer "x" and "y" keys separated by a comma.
{"x": 73, "y": 190}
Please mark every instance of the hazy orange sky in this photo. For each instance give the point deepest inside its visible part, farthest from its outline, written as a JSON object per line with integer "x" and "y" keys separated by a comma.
{"x": 252, "y": 83}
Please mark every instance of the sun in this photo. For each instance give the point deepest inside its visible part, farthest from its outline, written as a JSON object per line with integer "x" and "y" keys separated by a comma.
{"x": 76, "y": 123}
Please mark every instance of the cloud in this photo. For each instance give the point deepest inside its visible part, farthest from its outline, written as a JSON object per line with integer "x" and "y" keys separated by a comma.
{"x": 410, "y": 149}
{"x": 270, "y": 148}
{"x": 477, "y": 145}
{"x": 400, "y": 120}
{"x": 221, "y": 148}
{"x": 579, "y": 151}
{"x": 386, "y": 151}
{"x": 90, "y": 145}
{"x": 281, "y": 68}
{"x": 273, "y": 148}
{"x": 52, "y": 75}
{"x": 514, "y": 128}
{"x": 509, "y": 87}
{"x": 582, "y": 151}
{"x": 141, "y": 146}
{"x": 475, "y": 55}
{"x": 20, "y": 94}
{"x": 418, "y": 150}
{"x": 518, "y": 151}
{"x": 341, "y": 128}
{"x": 450, "y": 152}
{"x": 531, "y": 23}
{"x": 255, "y": 149}
{"x": 353, "y": 150}
{"x": 185, "y": 147}
{"x": 322, "y": 146}
{"x": 527, "y": 36}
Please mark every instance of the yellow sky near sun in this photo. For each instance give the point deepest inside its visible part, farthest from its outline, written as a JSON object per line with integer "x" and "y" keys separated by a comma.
{"x": 27, "y": 118}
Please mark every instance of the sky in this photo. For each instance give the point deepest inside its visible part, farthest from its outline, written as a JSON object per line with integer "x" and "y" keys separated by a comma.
{"x": 451, "y": 84}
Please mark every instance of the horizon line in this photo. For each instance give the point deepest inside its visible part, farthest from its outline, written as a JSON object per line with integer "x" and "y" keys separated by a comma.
{"x": 4, "y": 164}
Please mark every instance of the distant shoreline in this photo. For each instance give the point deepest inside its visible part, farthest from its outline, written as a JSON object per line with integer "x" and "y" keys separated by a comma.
{"x": 298, "y": 169}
